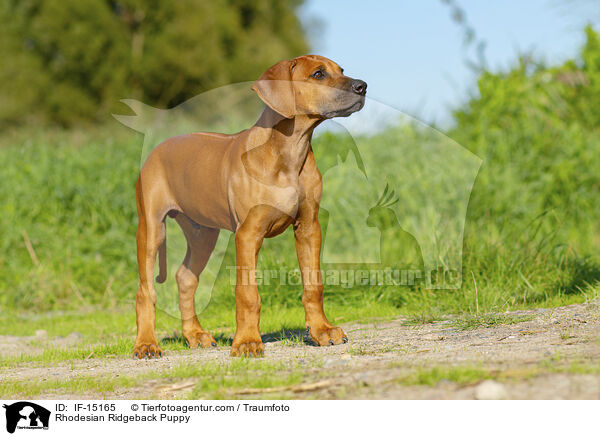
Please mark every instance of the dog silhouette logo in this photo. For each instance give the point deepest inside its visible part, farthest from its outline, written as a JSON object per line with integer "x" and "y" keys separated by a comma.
{"x": 415, "y": 227}
{"x": 26, "y": 415}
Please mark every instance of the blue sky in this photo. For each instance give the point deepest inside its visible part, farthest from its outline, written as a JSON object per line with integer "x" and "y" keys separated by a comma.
{"x": 412, "y": 54}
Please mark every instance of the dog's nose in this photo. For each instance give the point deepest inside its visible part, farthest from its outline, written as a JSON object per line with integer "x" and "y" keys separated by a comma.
{"x": 359, "y": 87}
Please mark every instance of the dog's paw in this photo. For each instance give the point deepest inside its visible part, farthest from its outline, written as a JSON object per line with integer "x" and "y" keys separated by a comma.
{"x": 200, "y": 339}
{"x": 148, "y": 350}
{"x": 248, "y": 348}
{"x": 326, "y": 335}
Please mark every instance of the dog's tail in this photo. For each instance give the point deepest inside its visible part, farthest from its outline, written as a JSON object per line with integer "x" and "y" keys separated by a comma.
{"x": 162, "y": 259}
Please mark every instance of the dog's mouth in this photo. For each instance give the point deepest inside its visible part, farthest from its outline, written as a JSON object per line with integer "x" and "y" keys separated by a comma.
{"x": 354, "y": 107}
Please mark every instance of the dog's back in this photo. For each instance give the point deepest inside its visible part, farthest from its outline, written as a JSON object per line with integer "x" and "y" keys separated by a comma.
{"x": 183, "y": 163}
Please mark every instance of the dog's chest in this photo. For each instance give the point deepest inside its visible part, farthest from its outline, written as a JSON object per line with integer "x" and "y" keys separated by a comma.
{"x": 281, "y": 194}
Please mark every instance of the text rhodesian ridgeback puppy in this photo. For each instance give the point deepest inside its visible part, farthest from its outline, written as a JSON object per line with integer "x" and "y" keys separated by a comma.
{"x": 254, "y": 183}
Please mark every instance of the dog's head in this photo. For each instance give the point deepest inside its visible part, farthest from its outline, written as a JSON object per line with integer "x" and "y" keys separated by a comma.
{"x": 310, "y": 85}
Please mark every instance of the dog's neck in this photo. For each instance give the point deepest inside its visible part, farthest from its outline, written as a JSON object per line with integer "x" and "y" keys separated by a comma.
{"x": 284, "y": 141}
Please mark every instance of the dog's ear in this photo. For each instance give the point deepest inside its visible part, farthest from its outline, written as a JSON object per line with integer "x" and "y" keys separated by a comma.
{"x": 275, "y": 88}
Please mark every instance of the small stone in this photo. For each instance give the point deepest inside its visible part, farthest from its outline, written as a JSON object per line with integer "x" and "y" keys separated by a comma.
{"x": 490, "y": 390}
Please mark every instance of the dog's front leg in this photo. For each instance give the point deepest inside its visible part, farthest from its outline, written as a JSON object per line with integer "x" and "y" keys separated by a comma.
{"x": 307, "y": 234}
{"x": 248, "y": 240}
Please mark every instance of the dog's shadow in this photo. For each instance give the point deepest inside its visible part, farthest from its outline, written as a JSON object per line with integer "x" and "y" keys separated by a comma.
{"x": 291, "y": 334}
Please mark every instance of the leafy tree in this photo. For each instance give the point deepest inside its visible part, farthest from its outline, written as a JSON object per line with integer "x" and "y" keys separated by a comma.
{"x": 66, "y": 61}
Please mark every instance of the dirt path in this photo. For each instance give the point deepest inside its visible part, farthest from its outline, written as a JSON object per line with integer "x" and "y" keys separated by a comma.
{"x": 554, "y": 353}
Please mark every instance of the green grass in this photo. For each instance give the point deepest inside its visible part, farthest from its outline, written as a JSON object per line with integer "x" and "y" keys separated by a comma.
{"x": 72, "y": 386}
{"x": 225, "y": 381}
{"x": 576, "y": 368}
{"x": 111, "y": 333}
{"x": 466, "y": 375}
{"x": 488, "y": 320}
{"x": 53, "y": 354}
{"x": 221, "y": 384}
{"x": 116, "y": 337}
{"x": 214, "y": 380}
{"x": 435, "y": 375}
{"x": 422, "y": 318}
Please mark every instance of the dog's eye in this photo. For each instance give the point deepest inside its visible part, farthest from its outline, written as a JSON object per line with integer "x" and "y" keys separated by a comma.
{"x": 319, "y": 74}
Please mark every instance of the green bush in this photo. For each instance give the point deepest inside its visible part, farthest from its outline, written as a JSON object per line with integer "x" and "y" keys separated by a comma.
{"x": 538, "y": 131}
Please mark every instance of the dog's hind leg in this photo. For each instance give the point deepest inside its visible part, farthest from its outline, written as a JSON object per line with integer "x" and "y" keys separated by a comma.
{"x": 201, "y": 242}
{"x": 150, "y": 235}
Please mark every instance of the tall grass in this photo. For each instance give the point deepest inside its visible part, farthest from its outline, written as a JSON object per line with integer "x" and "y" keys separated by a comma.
{"x": 531, "y": 232}
{"x": 76, "y": 207}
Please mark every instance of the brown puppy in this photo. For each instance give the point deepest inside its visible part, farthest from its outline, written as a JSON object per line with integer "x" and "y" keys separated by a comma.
{"x": 254, "y": 183}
